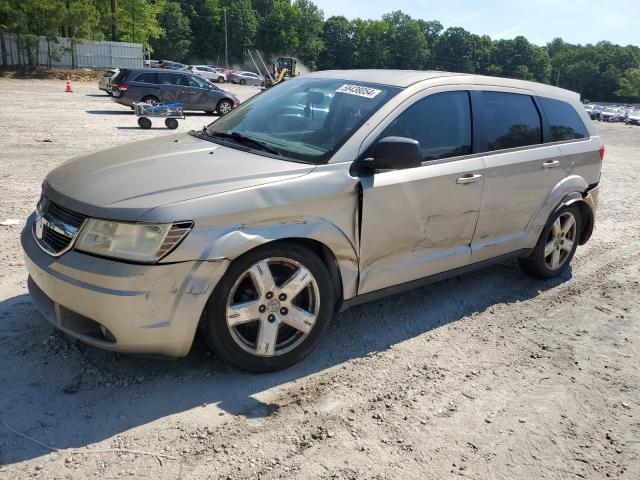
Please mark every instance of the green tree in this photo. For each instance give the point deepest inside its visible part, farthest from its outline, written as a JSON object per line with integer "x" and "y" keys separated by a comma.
{"x": 309, "y": 21}
{"x": 176, "y": 41}
{"x": 242, "y": 24}
{"x": 408, "y": 48}
{"x": 337, "y": 33}
{"x": 630, "y": 84}
{"x": 370, "y": 45}
{"x": 277, "y": 31}
{"x": 138, "y": 20}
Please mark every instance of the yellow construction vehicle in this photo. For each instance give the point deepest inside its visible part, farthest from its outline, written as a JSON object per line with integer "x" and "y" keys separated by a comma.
{"x": 283, "y": 68}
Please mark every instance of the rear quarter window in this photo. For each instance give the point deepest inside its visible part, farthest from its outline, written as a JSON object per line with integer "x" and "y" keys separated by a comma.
{"x": 564, "y": 121}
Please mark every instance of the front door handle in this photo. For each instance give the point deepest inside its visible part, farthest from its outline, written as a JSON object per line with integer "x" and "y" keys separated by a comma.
{"x": 468, "y": 178}
{"x": 551, "y": 164}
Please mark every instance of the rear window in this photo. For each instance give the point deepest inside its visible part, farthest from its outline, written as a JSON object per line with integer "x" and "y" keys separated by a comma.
{"x": 122, "y": 76}
{"x": 564, "y": 121}
{"x": 512, "y": 120}
{"x": 147, "y": 77}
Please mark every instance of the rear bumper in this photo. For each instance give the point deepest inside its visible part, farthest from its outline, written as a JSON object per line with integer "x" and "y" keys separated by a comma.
{"x": 591, "y": 198}
{"x": 152, "y": 309}
{"x": 123, "y": 99}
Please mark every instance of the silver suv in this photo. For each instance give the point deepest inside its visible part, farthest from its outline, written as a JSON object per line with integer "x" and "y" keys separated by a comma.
{"x": 326, "y": 191}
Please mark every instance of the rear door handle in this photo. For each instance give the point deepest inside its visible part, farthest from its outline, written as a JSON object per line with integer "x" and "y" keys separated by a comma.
{"x": 551, "y": 164}
{"x": 468, "y": 178}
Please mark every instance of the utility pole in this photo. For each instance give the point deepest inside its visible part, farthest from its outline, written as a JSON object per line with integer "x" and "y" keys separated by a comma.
{"x": 114, "y": 28}
{"x": 226, "y": 55}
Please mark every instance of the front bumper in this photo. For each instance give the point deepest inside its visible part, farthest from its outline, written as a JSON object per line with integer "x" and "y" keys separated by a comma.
{"x": 151, "y": 309}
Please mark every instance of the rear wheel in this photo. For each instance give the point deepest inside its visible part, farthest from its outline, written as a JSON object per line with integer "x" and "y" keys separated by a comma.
{"x": 171, "y": 123}
{"x": 556, "y": 246}
{"x": 224, "y": 106}
{"x": 220, "y": 79}
{"x": 243, "y": 82}
{"x": 270, "y": 309}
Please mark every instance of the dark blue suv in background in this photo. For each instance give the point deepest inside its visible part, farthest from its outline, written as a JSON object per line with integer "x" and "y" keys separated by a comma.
{"x": 153, "y": 85}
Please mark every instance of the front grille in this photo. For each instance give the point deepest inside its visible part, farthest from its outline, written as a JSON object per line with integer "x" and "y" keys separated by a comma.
{"x": 56, "y": 226}
{"x": 67, "y": 216}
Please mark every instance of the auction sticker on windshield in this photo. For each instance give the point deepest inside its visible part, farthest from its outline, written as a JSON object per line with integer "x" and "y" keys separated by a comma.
{"x": 358, "y": 90}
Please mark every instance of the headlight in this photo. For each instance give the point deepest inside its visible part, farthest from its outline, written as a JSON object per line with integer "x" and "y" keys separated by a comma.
{"x": 141, "y": 242}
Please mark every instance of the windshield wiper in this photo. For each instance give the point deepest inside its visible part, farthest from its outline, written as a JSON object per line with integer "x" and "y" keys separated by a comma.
{"x": 240, "y": 138}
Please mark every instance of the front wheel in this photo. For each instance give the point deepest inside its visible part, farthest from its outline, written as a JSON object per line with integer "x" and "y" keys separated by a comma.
{"x": 171, "y": 123}
{"x": 224, "y": 106}
{"x": 220, "y": 79}
{"x": 151, "y": 99}
{"x": 270, "y": 309}
{"x": 144, "y": 122}
{"x": 556, "y": 246}
{"x": 243, "y": 82}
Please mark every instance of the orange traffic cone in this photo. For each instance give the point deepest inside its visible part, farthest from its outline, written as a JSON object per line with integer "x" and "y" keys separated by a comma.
{"x": 69, "y": 87}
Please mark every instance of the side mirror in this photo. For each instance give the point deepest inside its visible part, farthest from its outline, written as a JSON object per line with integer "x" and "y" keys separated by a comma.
{"x": 395, "y": 153}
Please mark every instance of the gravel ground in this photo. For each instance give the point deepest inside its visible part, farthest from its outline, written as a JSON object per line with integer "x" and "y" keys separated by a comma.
{"x": 490, "y": 375}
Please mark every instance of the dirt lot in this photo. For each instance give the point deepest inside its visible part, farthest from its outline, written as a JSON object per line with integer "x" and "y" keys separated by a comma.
{"x": 491, "y": 375}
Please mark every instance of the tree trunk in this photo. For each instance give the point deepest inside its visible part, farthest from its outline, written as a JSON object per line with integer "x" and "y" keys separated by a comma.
{"x": 3, "y": 47}
{"x": 114, "y": 24}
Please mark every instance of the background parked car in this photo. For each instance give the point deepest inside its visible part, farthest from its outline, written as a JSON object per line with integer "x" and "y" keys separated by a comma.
{"x": 206, "y": 72}
{"x": 245, "y": 78}
{"x": 153, "y": 85}
{"x": 612, "y": 114}
{"x": 589, "y": 109}
{"x": 106, "y": 78}
{"x": 633, "y": 118}
{"x": 169, "y": 65}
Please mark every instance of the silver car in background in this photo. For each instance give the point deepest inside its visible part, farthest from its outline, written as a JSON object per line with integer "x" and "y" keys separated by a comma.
{"x": 329, "y": 190}
{"x": 106, "y": 80}
{"x": 245, "y": 78}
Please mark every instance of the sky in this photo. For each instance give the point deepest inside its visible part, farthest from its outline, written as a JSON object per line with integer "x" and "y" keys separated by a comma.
{"x": 576, "y": 21}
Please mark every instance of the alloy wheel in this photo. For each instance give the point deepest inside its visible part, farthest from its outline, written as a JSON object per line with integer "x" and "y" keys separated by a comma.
{"x": 560, "y": 241}
{"x": 273, "y": 307}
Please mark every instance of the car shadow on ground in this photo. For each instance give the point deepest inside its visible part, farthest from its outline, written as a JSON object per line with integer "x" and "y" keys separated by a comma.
{"x": 110, "y": 112}
{"x": 97, "y": 95}
{"x": 69, "y": 395}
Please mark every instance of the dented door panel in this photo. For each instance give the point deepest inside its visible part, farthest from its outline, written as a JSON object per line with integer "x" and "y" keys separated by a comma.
{"x": 417, "y": 222}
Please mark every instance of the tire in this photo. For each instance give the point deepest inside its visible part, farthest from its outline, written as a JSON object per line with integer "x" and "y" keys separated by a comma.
{"x": 220, "y": 79}
{"x": 144, "y": 123}
{"x": 171, "y": 123}
{"x": 151, "y": 98}
{"x": 243, "y": 82}
{"x": 311, "y": 308}
{"x": 224, "y": 106}
{"x": 551, "y": 257}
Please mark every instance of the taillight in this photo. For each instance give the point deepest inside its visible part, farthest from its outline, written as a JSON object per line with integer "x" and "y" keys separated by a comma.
{"x": 121, "y": 86}
{"x": 235, "y": 103}
{"x": 601, "y": 152}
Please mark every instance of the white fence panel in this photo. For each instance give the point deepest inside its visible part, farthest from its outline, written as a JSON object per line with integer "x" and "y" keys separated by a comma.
{"x": 60, "y": 52}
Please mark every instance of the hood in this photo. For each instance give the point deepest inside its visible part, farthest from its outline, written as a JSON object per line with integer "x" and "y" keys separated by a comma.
{"x": 126, "y": 181}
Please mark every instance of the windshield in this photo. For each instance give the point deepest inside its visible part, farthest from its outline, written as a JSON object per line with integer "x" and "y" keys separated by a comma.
{"x": 305, "y": 119}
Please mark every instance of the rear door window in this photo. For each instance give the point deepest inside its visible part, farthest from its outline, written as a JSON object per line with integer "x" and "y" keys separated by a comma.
{"x": 147, "y": 77}
{"x": 564, "y": 122}
{"x": 441, "y": 123}
{"x": 512, "y": 120}
{"x": 172, "y": 79}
